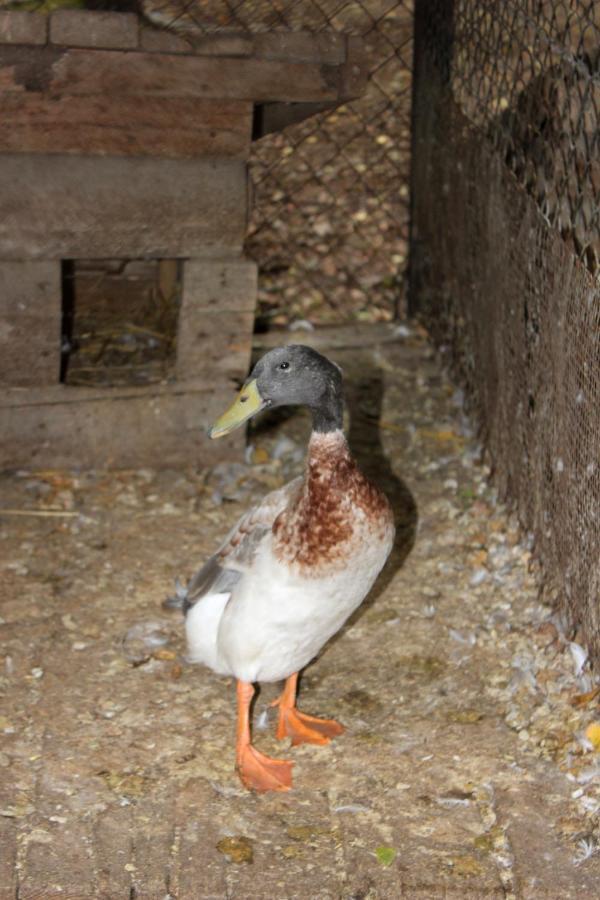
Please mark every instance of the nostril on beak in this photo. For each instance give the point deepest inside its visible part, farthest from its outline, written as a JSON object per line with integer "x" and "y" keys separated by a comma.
{"x": 244, "y": 399}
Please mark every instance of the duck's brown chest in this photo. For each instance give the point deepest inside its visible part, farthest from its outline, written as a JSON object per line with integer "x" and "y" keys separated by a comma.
{"x": 337, "y": 516}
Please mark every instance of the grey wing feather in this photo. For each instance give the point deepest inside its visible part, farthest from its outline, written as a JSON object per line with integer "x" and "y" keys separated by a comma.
{"x": 211, "y": 578}
{"x": 221, "y": 572}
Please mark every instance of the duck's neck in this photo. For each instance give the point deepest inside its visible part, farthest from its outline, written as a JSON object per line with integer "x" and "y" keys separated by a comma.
{"x": 328, "y": 416}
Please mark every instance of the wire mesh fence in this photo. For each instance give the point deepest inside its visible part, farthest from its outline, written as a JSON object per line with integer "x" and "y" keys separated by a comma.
{"x": 527, "y": 74}
{"x": 505, "y": 257}
{"x": 329, "y": 228}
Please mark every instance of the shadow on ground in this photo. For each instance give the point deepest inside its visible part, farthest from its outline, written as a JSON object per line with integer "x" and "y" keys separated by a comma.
{"x": 364, "y": 393}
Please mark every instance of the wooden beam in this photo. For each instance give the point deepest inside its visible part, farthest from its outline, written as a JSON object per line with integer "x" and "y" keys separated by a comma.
{"x": 30, "y": 319}
{"x": 216, "y": 319}
{"x": 61, "y": 72}
{"x": 161, "y": 425}
{"x": 101, "y": 125}
{"x": 62, "y": 207}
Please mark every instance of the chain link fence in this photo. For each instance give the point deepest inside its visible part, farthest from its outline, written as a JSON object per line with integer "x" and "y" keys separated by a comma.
{"x": 505, "y": 257}
{"x": 528, "y": 75}
{"x": 329, "y": 229}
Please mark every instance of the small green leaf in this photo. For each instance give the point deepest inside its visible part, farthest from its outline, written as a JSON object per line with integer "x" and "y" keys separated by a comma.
{"x": 385, "y": 855}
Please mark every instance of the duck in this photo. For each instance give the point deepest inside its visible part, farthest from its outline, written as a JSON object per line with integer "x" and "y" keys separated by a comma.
{"x": 294, "y": 567}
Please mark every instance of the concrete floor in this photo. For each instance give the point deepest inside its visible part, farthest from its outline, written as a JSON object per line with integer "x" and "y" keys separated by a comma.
{"x": 465, "y": 770}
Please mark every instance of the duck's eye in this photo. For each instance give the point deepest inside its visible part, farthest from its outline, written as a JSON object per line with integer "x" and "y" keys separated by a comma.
{"x": 284, "y": 365}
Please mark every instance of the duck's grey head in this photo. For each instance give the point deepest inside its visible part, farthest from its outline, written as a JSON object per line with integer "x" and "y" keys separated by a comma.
{"x": 288, "y": 376}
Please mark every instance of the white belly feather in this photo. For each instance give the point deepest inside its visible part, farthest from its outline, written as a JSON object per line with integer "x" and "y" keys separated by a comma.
{"x": 276, "y": 620}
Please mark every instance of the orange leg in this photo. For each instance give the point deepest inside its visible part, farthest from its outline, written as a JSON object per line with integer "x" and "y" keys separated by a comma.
{"x": 257, "y": 771}
{"x": 302, "y": 729}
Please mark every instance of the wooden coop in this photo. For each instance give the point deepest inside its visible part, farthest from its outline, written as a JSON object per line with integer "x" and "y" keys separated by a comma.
{"x": 119, "y": 141}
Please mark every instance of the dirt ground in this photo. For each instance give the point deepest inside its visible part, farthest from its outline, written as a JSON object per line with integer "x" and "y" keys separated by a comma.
{"x": 470, "y": 764}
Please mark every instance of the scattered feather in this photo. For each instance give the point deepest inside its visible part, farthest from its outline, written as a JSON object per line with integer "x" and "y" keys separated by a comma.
{"x": 478, "y": 577}
{"x": 587, "y": 775}
{"x": 579, "y": 655}
{"x": 583, "y": 741}
{"x": 590, "y": 804}
{"x": 450, "y": 802}
{"x": 469, "y": 638}
{"x": 139, "y": 641}
{"x": 585, "y": 683}
{"x": 262, "y": 721}
{"x": 586, "y": 849}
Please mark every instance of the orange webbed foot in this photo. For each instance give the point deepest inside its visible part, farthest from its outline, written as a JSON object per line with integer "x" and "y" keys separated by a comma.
{"x": 303, "y": 729}
{"x": 261, "y": 773}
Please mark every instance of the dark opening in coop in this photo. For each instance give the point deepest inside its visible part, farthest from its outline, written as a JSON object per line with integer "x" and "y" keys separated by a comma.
{"x": 119, "y": 321}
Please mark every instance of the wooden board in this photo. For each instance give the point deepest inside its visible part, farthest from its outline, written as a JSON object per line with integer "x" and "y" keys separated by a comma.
{"x": 161, "y": 425}
{"x": 61, "y": 207}
{"x": 59, "y": 72}
{"x": 94, "y": 28}
{"x": 100, "y": 125}
{"x": 216, "y": 319}
{"x": 30, "y": 314}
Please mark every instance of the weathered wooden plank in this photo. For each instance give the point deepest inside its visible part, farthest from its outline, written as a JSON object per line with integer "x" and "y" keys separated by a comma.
{"x": 94, "y": 208}
{"x": 171, "y": 127}
{"x": 146, "y": 74}
{"x": 20, "y": 27}
{"x": 297, "y": 46}
{"x": 222, "y": 43}
{"x": 216, "y": 318}
{"x": 160, "y": 40}
{"x": 219, "y": 286}
{"x": 30, "y": 313}
{"x": 223, "y": 346}
{"x": 164, "y": 425}
{"x": 94, "y": 28}
{"x": 53, "y": 394}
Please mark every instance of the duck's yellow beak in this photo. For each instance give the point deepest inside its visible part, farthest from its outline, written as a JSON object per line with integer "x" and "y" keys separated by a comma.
{"x": 246, "y": 404}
